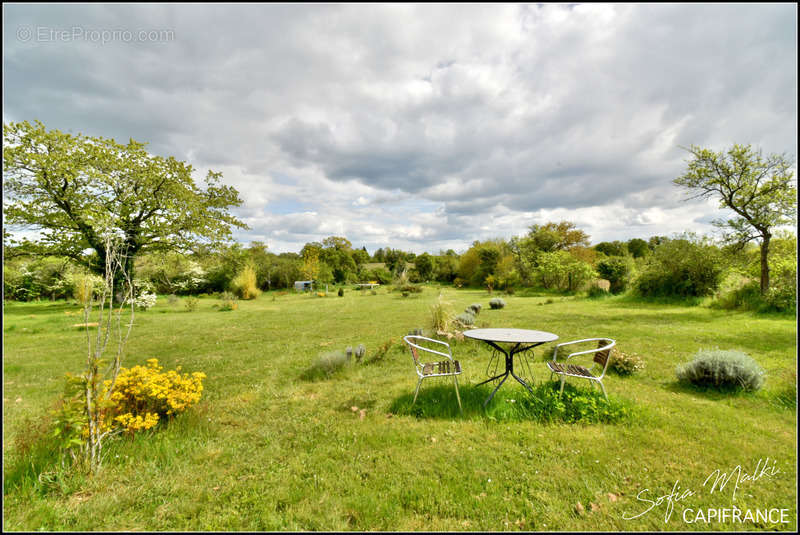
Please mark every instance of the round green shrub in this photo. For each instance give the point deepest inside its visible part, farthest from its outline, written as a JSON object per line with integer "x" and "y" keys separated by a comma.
{"x": 496, "y": 303}
{"x": 720, "y": 368}
{"x": 466, "y": 319}
{"x": 475, "y": 308}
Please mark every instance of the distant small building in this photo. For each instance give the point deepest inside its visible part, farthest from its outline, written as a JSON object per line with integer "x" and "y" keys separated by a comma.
{"x": 303, "y": 286}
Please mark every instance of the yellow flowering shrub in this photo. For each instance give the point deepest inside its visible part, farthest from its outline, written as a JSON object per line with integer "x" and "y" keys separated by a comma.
{"x": 144, "y": 394}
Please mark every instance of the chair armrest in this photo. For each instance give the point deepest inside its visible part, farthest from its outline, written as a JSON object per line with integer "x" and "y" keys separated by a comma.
{"x": 593, "y": 350}
{"x": 580, "y": 341}
{"x": 429, "y": 350}
{"x": 579, "y": 353}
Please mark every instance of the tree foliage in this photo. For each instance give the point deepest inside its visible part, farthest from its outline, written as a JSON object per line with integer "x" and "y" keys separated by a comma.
{"x": 73, "y": 188}
{"x": 682, "y": 267}
{"x": 759, "y": 190}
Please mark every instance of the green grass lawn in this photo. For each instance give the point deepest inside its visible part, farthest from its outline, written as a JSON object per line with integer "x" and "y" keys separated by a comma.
{"x": 266, "y": 450}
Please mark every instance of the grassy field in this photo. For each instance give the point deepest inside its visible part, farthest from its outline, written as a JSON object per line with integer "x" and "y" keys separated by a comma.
{"x": 266, "y": 450}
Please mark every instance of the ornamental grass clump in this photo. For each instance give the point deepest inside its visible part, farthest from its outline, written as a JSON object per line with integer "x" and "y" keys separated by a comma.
{"x": 86, "y": 287}
{"x": 723, "y": 369}
{"x": 360, "y": 352}
{"x": 441, "y": 315}
{"x": 325, "y": 366}
{"x": 496, "y": 303}
{"x": 244, "y": 285}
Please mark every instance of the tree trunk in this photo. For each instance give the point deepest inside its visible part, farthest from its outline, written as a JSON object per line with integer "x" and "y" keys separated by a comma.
{"x": 764, "y": 264}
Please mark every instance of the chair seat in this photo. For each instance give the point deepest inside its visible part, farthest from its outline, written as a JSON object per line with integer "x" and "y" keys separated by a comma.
{"x": 444, "y": 367}
{"x": 569, "y": 369}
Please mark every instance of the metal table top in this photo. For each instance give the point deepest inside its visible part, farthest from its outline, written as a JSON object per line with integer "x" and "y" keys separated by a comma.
{"x": 522, "y": 336}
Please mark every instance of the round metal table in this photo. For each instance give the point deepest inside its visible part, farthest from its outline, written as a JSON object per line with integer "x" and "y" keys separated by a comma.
{"x": 521, "y": 339}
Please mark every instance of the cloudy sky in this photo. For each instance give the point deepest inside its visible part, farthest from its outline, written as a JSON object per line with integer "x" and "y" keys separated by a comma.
{"x": 421, "y": 127}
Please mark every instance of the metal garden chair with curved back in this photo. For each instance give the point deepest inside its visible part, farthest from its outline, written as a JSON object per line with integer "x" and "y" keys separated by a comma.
{"x": 602, "y": 356}
{"x": 441, "y": 368}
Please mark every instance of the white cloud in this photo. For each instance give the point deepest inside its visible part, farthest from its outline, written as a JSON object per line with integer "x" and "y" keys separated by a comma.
{"x": 425, "y": 126}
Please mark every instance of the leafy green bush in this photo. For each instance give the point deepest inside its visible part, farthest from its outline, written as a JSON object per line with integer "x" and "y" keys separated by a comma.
{"x": 229, "y": 301}
{"x": 623, "y": 363}
{"x": 745, "y": 297}
{"x": 741, "y": 288}
{"x": 325, "y": 366}
{"x": 597, "y": 292}
{"x": 25, "y": 279}
{"x": 408, "y": 288}
{"x": 190, "y": 303}
{"x": 382, "y": 275}
{"x": 722, "y": 369}
{"x": 545, "y": 406}
{"x": 616, "y": 271}
{"x": 562, "y": 271}
{"x": 496, "y": 303}
{"x": 681, "y": 268}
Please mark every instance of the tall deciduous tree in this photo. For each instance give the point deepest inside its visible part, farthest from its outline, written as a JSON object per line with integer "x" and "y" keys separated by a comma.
{"x": 760, "y": 191}
{"x": 72, "y": 188}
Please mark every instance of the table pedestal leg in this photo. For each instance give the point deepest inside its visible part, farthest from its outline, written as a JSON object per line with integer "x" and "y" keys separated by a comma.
{"x": 504, "y": 376}
{"x": 492, "y": 379}
{"x": 509, "y": 370}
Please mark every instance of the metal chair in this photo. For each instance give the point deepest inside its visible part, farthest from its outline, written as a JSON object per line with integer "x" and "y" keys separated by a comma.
{"x": 602, "y": 355}
{"x": 443, "y": 368}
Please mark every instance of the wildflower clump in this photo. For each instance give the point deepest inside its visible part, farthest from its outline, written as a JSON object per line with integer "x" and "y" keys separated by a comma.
{"x": 143, "y": 395}
{"x": 145, "y": 300}
{"x": 625, "y": 363}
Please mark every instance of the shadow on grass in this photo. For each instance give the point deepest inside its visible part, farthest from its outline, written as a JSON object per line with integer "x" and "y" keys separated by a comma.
{"x": 781, "y": 398}
{"x": 514, "y": 404}
{"x": 713, "y": 393}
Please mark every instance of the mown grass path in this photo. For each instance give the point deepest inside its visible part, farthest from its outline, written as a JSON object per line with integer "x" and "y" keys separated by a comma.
{"x": 267, "y": 451}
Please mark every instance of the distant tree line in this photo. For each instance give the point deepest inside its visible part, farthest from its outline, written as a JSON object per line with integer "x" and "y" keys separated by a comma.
{"x": 174, "y": 235}
{"x": 553, "y": 256}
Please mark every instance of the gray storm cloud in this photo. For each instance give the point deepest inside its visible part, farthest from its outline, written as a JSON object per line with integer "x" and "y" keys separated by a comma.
{"x": 416, "y": 126}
